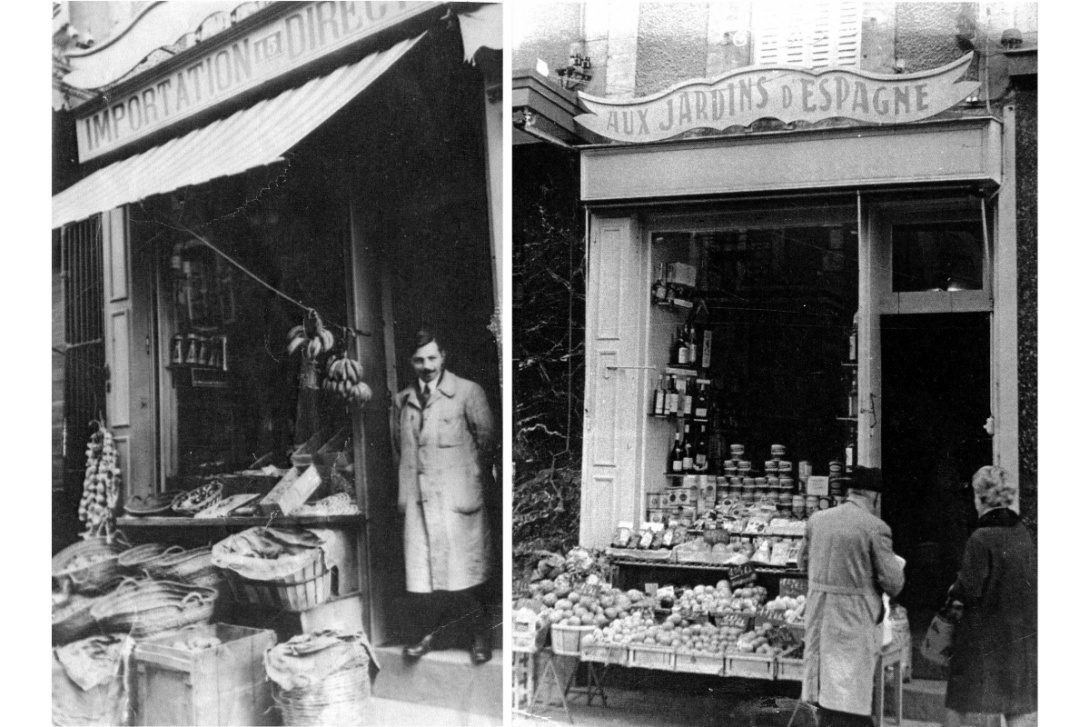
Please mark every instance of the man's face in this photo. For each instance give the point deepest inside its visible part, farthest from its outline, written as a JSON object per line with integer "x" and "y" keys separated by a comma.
{"x": 428, "y": 362}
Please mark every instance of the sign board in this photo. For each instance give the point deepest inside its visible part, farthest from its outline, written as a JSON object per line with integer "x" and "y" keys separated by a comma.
{"x": 230, "y": 64}
{"x": 792, "y": 587}
{"x": 741, "y": 576}
{"x": 787, "y": 93}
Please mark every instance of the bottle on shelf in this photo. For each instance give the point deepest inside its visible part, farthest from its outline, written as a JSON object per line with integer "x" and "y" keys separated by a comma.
{"x": 658, "y": 289}
{"x": 700, "y": 452}
{"x": 685, "y": 399}
{"x": 700, "y": 402}
{"x": 853, "y": 339}
{"x": 679, "y": 351}
{"x": 849, "y": 450}
{"x": 671, "y": 399}
{"x": 691, "y": 343}
{"x": 658, "y": 407}
{"x": 687, "y": 450}
{"x": 675, "y": 461}
{"x": 853, "y": 399}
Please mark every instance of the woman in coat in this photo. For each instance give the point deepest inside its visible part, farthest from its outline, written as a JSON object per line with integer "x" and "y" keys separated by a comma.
{"x": 993, "y": 664}
{"x": 445, "y": 437}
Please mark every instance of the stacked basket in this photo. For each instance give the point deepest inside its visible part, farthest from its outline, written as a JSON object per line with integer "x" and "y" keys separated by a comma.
{"x": 146, "y": 607}
{"x": 89, "y": 566}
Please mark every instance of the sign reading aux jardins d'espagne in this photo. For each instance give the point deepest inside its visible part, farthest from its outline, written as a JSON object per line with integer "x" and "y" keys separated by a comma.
{"x": 299, "y": 33}
{"x": 790, "y": 94}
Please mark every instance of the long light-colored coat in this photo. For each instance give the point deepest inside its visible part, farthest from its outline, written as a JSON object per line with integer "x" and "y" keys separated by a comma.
{"x": 441, "y": 485}
{"x": 848, "y": 556}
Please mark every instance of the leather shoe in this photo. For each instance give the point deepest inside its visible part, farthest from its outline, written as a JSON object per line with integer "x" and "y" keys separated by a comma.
{"x": 417, "y": 650}
{"x": 481, "y": 650}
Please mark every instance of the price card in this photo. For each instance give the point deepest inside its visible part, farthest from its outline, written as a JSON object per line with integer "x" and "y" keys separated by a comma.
{"x": 651, "y": 589}
{"x": 733, "y": 619}
{"x": 741, "y": 575}
{"x": 792, "y": 587}
{"x": 817, "y": 486}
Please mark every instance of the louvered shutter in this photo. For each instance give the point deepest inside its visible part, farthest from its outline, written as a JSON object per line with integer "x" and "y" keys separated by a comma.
{"x": 813, "y": 35}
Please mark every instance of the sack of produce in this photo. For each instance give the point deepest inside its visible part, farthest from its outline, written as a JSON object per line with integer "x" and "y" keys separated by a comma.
{"x": 89, "y": 685}
{"x": 323, "y": 678}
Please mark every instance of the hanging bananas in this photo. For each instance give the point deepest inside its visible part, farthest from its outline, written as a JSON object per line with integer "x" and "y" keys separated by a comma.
{"x": 344, "y": 376}
{"x": 311, "y": 337}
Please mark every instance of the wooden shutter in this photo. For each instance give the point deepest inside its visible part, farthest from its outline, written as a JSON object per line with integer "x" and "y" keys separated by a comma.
{"x": 813, "y": 35}
{"x": 130, "y": 353}
{"x": 614, "y": 421}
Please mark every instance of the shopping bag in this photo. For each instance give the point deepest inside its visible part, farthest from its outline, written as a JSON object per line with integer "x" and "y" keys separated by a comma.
{"x": 939, "y": 639}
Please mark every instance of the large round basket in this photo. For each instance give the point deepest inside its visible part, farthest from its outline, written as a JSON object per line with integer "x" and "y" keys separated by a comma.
{"x": 143, "y": 608}
{"x": 339, "y": 699}
{"x": 73, "y": 621}
{"x": 89, "y": 566}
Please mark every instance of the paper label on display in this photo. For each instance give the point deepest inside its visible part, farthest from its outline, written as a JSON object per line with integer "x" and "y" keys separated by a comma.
{"x": 792, "y": 587}
{"x": 817, "y": 485}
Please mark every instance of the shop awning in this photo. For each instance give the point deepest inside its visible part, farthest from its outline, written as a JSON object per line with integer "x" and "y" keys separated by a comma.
{"x": 252, "y": 137}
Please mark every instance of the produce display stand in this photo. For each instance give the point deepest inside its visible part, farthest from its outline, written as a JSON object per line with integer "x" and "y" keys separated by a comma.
{"x": 555, "y": 693}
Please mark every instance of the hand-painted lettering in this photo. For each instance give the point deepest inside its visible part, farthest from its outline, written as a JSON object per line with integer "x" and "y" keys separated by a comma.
{"x": 684, "y": 110}
{"x": 296, "y": 35}
{"x": 701, "y": 105}
{"x": 150, "y": 110}
{"x": 669, "y": 116}
{"x": 611, "y": 123}
{"x": 921, "y": 97}
{"x": 761, "y": 81}
{"x": 134, "y": 113}
{"x": 823, "y": 87}
{"x": 807, "y": 94}
{"x": 879, "y": 102}
{"x": 244, "y": 67}
{"x": 901, "y": 99}
{"x": 326, "y": 13}
{"x": 223, "y": 70}
{"x": 643, "y": 122}
{"x": 859, "y": 99}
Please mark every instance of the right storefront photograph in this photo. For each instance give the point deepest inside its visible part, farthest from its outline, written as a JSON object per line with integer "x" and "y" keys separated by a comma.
{"x": 775, "y": 378}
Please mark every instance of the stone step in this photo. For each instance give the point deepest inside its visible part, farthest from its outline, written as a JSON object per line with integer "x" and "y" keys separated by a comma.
{"x": 395, "y": 713}
{"x": 446, "y": 679}
{"x": 925, "y": 700}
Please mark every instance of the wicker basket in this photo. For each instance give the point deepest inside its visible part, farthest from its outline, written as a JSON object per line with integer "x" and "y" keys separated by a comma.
{"x": 181, "y": 506}
{"x": 135, "y": 561}
{"x": 568, "y": 640}
{"x": 185, "y": 566}
{"x": 308, "y": 588}
{"x": 341, "y": 699}
{"x": 147, "y": 607}
{"x": 96, "y": 577}
{"x": 74, "y": 621}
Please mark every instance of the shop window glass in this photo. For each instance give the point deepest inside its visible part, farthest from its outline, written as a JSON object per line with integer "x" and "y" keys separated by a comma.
{"x": 779, "y": 302}
{"x": 238, "y": 397}
{"x": 944, "y": 256}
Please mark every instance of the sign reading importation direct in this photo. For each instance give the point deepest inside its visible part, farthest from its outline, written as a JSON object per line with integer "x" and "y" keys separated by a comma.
{"x": 226, "y": 68}
{"x": 782, "y": 92}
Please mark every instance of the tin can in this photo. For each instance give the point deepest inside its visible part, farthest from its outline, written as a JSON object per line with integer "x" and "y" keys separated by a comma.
{"x": 837, "y": 486}
{"x": 736, "y": 482}
{"x": 778, "y": 450}
{"x": 749, "y": 482}
{"x": 737, "y": 450}
{"x": 743, "y": 466}
{"x": 730, "y": 470}
{"x": 787, "y": 484}
{"x": 760, "y": 482}
{"x": 836, "y": 469}
{"x": 772, "y": 465}
{"x": 774, "y": 483}
{"x": 798, "y": 506}
{"x": 785, "y": 467}
{"x": 804, "y": 469}
{"x": 824, "y": 503}
{"x": 811, "y": 505}
{"x": 786, "y": 498}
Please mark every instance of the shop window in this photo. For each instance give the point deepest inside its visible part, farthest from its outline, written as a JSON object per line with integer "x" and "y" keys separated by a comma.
{"x": 770, "y": 314}
{"x": 234, "y": 396}
{"x": 938, "y": 257}
{"x": 813, "y": 35}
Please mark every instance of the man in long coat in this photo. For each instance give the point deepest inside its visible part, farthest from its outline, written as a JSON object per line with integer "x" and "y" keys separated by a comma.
{"x": 847, "y": 554}
{"x": 445, "y": 438}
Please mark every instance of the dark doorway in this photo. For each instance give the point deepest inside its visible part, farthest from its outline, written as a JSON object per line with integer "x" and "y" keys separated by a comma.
{"x": 935, "y": 402}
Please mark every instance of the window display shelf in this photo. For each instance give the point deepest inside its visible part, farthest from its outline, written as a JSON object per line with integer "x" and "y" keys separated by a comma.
{"x": 238, "y": 522}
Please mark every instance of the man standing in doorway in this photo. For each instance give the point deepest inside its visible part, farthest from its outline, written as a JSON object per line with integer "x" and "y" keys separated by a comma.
{"x": 847, "y": 554}
{"x": 446, "y": 436}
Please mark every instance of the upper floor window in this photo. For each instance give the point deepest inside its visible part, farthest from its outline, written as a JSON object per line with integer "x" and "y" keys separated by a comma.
{"x": 814, "y": 35}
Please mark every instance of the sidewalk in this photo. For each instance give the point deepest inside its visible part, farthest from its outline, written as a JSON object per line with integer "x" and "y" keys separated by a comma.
{"x": 663, "y": 708}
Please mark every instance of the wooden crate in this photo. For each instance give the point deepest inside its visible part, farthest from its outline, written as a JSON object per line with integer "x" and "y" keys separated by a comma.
{"x": 222, "y": 685}
{"x": 701, "y": 663}
{"x": 605, "y": 653}
{"x": 662, "y": 658}
{"x": 751, "y": 666}
{"x": 789, "y": 666}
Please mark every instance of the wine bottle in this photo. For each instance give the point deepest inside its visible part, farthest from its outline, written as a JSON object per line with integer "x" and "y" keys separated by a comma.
{"x": 658, "y": 289}
{"x": 700, "y": 404}
{"x": 700, "y": 452}
{"x": 685, "y": 399}
{"x": 687, "y": 451}
{"x": 681, "y": 357}
{"x": 659, "y": 407}
{"x": 675, "y": 461}
{"x": 690, "y": 341}
{"x": 853, "y": 339}
{"x": 671, "y": 399}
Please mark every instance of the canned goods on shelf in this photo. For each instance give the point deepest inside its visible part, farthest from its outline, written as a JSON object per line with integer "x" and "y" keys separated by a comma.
{"x": 773, "y": 483}
{"x": 760, "y": 481}
{"x": 737, "y": 450}
{"x": 824, "y": 503}
{"x": 785, "y": 467}
{"x": 804, "y": 469}
{"x": 786, "y": 483}
{"x": 836, "y": 468}
{"x": 744, "y": 466}
{"x": 778, "y": 450}
{"x": 749, "y": 482}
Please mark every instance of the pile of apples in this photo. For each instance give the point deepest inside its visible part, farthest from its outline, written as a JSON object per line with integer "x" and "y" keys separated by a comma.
{"x": 766, "y": 639}
{"x": 794, "y": 608}
{"x": 563, "y": 604}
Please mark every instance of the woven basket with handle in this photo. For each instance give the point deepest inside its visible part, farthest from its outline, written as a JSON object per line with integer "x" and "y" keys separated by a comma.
{"x": 91, "y": 565}
{"x": 146, "y": 607}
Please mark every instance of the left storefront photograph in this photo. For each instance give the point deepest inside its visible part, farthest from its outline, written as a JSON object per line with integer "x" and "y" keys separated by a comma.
{"x": 277, "y": 422}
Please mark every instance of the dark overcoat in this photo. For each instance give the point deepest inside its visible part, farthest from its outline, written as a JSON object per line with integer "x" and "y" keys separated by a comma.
{"x": 993, "y": 664}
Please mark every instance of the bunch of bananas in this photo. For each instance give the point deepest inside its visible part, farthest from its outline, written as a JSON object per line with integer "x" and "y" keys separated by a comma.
{"x": 101, "y": 483}
{"x": 311, "y": 337}
{"x": 344, "y": 376}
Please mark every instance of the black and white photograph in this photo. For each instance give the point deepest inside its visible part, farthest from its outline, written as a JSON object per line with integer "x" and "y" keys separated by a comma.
{"x": 276, "y": 363}
{"x": 775, "y": 377}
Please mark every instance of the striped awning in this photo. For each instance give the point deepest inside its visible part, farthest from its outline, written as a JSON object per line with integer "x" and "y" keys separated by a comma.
{"x": 253, "y": 137}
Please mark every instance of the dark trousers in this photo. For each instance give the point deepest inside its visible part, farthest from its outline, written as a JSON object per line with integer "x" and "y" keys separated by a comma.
{"x": 445, "y": 611}
{"x": 833, "y": 718}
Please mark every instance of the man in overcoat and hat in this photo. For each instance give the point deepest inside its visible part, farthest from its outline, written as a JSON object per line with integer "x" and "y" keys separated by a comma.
{"x": 445, "y": 439}
{"x": 847, "y": 554}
